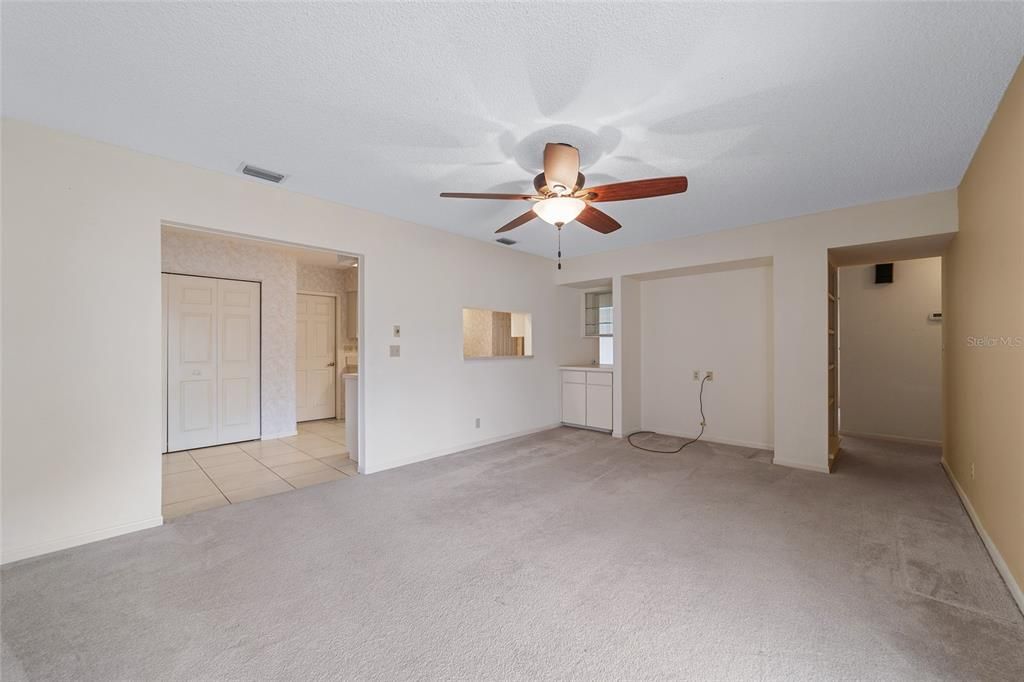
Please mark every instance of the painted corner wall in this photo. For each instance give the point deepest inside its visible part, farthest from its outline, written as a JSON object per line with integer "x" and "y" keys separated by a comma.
{"x": 983, "y": 332}
{"x": 573, "y": 347}
{"x": 627, "y": 380}
{"x": 890, "y": 353}
{"x": 81, "y": 352}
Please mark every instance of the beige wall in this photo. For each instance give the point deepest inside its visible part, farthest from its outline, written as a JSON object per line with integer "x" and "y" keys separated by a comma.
{"x": 890, "y": 353}
{"x": 477, "y": 332}
{"x": 574, "y": 348}
{"x": 711, "y": 321}
{"x": 983, "y": 292}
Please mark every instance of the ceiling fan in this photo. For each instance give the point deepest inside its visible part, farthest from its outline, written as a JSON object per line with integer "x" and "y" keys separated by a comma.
{"x": 561, "y": 197}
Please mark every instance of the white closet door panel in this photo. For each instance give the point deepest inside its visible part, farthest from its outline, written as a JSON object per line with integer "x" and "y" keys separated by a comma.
{"x": 191, "y": 362}
{"x": 238, "y": 361}
{"x": 197, "y": 407}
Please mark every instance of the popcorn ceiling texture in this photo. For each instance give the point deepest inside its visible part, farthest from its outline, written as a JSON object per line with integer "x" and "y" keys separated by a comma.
{"x": 772, "y": 110}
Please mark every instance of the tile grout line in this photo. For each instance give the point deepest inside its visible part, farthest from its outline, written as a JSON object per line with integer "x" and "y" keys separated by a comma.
{"x": 199, "y": 467}
{"x": 203, "y": 469}
{"x": 258, "y": 462}
{"x": 210, "y": 478}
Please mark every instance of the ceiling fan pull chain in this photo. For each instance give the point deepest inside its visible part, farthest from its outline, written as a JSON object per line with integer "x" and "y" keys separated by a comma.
{"x": 559, "y": 247}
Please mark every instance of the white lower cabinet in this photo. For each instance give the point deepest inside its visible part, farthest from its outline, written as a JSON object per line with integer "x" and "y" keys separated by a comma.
{"x": 587, "y": 399}
{"x": 574, "y": 403}
{"x": 599, "y": 407}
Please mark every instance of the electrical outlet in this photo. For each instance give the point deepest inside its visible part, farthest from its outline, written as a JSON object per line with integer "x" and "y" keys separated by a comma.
{"x": 394, "y": 351}
{"x": 710, "y": 376}
{"x": 478, "y": 422}
{"x": 396, "y": 331}
{"x": 696, "y": 375}
{"x": 972, "y": 471}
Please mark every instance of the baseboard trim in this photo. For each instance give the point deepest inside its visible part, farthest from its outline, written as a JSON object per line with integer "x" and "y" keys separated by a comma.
{"x": 891, "y": 438}
{"x": 274, "y": 436}
{"x": 31, "y": 551}
{"x": 459, "y": 448}
{"x": 823, "y": 469}
{"x": 993, "y": 551}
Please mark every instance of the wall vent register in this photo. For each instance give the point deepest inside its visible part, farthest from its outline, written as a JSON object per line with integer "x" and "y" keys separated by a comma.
{"x": 263, "y": 174}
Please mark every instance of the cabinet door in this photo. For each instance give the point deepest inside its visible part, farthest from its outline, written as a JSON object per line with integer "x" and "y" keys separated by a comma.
{"x": 574, "y": 404}
{"x": 599, "y": 407}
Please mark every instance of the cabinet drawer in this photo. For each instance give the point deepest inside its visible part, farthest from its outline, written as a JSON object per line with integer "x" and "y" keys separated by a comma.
{"x": 574, "y": 377}
{"x": 599, "y": 378}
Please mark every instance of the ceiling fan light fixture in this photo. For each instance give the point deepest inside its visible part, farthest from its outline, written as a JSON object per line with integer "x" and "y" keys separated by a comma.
{"x": 559, "y": 210}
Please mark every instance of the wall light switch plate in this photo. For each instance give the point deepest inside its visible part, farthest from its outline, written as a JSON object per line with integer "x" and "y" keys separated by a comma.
{"x": 396, "y": 331}
{"x": 696, "y": 375}
{"x": 394, "y": 351}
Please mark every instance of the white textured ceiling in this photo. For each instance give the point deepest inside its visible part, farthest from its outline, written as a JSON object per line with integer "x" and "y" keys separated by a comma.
{"x": 771, "y": 110}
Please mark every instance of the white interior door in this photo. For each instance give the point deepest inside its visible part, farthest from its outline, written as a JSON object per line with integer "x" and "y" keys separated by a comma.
{"x": 238, "y": 370}
{"x": 315, "y": 362}
{"x": 213, "y": 368}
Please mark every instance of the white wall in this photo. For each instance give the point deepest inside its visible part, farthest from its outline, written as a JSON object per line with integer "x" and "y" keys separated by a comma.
{"x": 627, "y": 386}
{"x": 890, "y": 353}
{"x": 573, "y": 347}
{"x": 83, "y": 349}
{"x": 798, "y": 248}
{"x": 719, "y": 321}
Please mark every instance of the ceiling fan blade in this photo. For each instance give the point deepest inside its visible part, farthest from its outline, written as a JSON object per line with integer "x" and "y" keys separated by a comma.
{"x": 513, "y": 224}
{"x": 598, "y": 220}
{"x": 478, "y": 195}
{"x": 636, "y": 189}
{"x": 561, "y": 166}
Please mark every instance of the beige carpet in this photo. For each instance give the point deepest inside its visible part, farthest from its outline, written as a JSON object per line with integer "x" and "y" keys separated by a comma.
{"x": 561, "y": 555}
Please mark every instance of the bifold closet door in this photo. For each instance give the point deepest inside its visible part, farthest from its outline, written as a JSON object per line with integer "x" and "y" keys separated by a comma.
{"x": 238, "y": 363}
{"x": 213, "y": 361}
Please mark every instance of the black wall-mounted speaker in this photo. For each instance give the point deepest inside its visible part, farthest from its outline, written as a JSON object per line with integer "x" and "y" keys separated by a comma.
{"x": 883, "y": 273}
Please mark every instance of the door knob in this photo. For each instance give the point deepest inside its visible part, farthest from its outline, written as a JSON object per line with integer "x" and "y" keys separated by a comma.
{"x": 330, "y": 364}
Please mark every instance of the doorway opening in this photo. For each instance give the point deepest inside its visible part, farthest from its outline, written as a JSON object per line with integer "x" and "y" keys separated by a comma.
{"x": 885, "y": 378}
{"x": 260, "y": 339}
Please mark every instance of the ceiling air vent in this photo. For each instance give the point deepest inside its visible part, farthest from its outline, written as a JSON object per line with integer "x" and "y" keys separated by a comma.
{"x": 506, "y": 241}
{"x": 262, "y": 174}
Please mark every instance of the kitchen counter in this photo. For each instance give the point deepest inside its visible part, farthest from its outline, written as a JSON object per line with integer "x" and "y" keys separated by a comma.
{"x": 589, "y": 368}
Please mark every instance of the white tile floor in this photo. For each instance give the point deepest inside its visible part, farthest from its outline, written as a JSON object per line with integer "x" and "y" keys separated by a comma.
{"x": 228, "y": 474}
